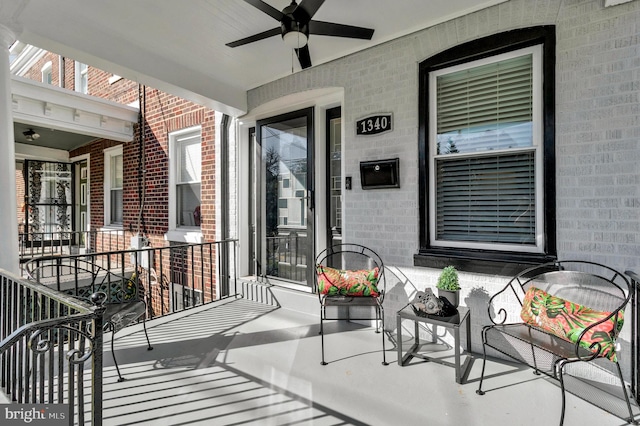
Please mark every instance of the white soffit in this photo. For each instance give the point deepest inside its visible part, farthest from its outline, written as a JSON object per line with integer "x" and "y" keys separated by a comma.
{"x": 49, "y": 106}
{"x": 180, "y": 47}
{"x": 608, "y": 3}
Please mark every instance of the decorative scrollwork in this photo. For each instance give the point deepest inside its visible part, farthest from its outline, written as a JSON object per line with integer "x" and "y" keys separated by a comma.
{"x": 501, "y": 316}
{"x": 40, "y": 344}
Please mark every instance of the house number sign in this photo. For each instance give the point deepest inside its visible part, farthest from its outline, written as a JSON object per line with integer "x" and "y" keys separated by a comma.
{"x": 374, "y": 124}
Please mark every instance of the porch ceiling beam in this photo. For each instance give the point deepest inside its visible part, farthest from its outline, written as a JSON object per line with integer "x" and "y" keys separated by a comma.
{"x": 40, "y": 104}
{"x": 172, "y": 77}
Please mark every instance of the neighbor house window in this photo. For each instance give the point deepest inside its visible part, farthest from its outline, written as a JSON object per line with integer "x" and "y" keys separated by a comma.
{"x": 486, "y": 149}
{"x": 47, "y": 73}
{"x": 186, "y": 167}
{"x": 113, "y": 184}
{"x": 81, "y": 81}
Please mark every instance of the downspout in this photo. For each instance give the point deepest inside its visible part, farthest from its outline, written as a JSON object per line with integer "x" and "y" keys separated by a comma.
{"x": 142, "y": 163}
{"x": 224, "y": 197}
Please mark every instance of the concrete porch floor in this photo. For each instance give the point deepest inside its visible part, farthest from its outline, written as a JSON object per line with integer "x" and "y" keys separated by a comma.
{"x": 238, "y": 362}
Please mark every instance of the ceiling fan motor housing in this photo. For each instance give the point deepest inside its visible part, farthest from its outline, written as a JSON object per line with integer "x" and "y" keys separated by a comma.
{"x": 298, "y": 23}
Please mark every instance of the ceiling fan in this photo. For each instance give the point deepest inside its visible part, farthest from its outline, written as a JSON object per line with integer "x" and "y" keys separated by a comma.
{"x": 296, "y": 24}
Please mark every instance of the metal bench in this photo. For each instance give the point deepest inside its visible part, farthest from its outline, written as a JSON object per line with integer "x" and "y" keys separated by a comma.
{"x": 120, "y": 293}
{"x": 583, "y": 298}
{"x": 123, "y": 308}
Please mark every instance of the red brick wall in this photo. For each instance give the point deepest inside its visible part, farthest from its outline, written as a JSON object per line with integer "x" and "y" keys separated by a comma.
{"x": 122, "y": 91}
{"x": 35, "y": 72}
{"x": 165, "y": 113}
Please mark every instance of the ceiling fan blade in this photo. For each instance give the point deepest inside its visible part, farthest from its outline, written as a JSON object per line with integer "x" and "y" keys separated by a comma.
{"x": 308, "y": 6}
{"x": 339, "y": 30}
{"x": 303, "y": 57}
{"x": 269, "y": 10}
{"x": 256, "y": 37}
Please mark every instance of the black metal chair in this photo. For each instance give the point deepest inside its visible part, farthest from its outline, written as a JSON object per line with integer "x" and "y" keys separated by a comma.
{"x": 121, "y": 296}
{"x": 585, "y": 297}
{"x": 350, "y": 276}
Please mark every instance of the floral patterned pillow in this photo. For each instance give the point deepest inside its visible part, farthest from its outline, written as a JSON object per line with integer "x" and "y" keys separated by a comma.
{"x": 568, "y": 320}
{"x": 335, "y": 282}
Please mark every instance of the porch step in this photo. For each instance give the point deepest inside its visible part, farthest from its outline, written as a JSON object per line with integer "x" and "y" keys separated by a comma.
{"x": 274, "y": 295}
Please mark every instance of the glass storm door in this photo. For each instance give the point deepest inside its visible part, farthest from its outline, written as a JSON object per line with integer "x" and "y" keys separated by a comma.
{"x": 334, "y": 175}
{"x": 284, "y": 197}
{"x": 48, "y": 203}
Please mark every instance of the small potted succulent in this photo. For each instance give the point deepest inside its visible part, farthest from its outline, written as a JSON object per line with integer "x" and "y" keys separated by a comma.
{"x": 448, "y": 286}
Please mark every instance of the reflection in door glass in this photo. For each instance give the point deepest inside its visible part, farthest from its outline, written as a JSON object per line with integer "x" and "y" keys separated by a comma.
{"x": 335, "y": 180}
{"x": 284, "y": 158}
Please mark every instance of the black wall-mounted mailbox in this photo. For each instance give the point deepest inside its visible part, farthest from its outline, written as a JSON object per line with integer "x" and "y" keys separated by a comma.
{"x": 380, "y": 174}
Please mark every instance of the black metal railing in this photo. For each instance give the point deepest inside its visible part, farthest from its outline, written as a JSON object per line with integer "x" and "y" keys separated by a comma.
{"x": 46, "y": 338}
{"x": 171, "y": 278}
{"x": 286, "y": 256}
{"x": 635, "y": 334}
{"x": 36, "y": 244}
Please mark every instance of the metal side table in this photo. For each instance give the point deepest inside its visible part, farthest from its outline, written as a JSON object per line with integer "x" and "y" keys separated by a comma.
{"x": 451, "y": 323}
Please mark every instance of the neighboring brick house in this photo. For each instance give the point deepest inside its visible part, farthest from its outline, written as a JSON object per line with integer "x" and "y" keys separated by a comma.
{"x": 176, "y": 162}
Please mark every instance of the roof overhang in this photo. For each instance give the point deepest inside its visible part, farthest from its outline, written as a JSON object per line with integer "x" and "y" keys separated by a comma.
{"x": 43, "y": 105}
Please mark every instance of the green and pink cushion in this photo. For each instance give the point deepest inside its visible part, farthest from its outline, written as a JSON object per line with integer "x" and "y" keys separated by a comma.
{"x": 335, "y": 282}
{"x": 568, "y": 320}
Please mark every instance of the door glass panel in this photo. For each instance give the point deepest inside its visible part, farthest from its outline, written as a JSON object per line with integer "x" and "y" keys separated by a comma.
{"x": 334, "y": 143}
{"x": 48, "y": 204}
{"x": 286, "y": 234}
{"x": 82, "y": 202}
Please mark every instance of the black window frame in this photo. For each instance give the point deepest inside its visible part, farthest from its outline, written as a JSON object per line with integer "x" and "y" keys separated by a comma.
{"x": 477, "y": 260}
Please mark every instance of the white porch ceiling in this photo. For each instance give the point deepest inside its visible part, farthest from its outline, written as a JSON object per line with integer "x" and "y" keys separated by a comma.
{"x": 179, "y": 46}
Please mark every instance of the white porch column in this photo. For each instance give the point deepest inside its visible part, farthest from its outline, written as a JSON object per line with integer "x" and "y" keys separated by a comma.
{"x": 8, "y": 207}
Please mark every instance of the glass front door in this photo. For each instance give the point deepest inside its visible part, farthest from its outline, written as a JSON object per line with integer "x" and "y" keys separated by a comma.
{"x": 284, "y": 197}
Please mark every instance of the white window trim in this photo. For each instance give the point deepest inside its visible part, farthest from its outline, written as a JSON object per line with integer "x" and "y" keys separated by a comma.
{"x": 109, "y": 153}
{"x": 46, "y": 68}
{"x": 538, "y": 133}
{"x": 187, "y": 234}
{"x": 78, "y": 77}
{"x": 88, "y": 158}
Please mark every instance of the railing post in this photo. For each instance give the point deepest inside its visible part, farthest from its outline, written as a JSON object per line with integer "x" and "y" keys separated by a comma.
{"x": 96, "y": 368}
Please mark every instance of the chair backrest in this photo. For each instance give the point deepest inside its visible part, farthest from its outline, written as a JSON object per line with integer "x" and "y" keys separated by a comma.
{"x": 82, "y": 277}
{"x": 351, "y": 257}
{"x": 586, "y": 283}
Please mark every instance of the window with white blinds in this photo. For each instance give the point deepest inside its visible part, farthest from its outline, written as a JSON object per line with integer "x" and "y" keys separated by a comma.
{"x": 486, "y": 153}
{"x": 113, "y": 186}
{"x": 489, "y": 199}
{"x": 116, "y": 190}
{"x": 186, "y": 177}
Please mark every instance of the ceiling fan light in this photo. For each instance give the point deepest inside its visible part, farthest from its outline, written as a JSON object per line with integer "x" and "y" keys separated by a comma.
{"x": 30, "y": 135}
{"x": 295, "y": 39}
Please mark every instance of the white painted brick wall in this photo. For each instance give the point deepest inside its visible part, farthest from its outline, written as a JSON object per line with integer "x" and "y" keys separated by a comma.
{"x": 597, "y": 137}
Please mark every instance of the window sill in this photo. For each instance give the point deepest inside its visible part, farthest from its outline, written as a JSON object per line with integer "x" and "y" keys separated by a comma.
{"x": 110, "y": 228}
{"x": 484, "y": 262}
{"x": 185, "y": 235}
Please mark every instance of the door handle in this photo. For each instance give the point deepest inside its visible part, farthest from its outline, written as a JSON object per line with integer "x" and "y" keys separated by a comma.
{"x": 311, "y": 202}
